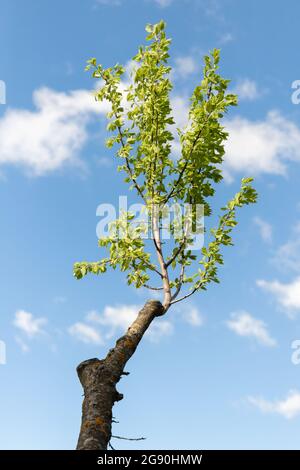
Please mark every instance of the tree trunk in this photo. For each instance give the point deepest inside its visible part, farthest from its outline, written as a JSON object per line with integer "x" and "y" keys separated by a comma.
{"x": 99, "y": 379}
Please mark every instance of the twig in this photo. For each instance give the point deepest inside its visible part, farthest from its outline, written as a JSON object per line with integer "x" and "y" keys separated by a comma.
{"x": 129, "y": 439}
{"x": 180, "y": 282}
{"x": 176, "y": 183}
{"x": 185, "y": 296}
{"x": 152, "y": 288}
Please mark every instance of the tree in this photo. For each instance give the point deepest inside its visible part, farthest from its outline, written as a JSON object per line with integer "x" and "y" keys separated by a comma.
{"x": 142, "y": 125}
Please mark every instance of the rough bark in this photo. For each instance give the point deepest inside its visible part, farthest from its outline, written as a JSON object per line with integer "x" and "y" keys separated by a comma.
{"x": 99, "y": 379}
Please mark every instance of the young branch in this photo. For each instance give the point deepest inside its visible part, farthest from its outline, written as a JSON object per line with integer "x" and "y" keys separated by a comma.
{"x": 176, "y": 183}
{"x": 180, "y": 282}
{"x": 152, "y": 288}
{"x": 186, "y": 296}
{"x": 152, "y": 267}
{"x": 201, "y": 283}
{"x": 129, "y": 439}
{"x": 177, "y": 253}
{"x": 129, "y": 169}
{"x": 160, "y": 257}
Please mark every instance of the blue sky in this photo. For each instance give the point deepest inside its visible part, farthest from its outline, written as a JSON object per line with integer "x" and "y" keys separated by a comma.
{"x": 216, "y": 372}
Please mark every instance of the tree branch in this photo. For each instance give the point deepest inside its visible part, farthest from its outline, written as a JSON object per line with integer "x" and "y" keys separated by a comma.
{"x": 129, "y": 439}
{"x": 186, "y": 296}
{"x": 180, "y": 282}
{"x": 152, "y": 288}
{"x": 136, "y": 185}
{"x": 176, "y": 183}
{"x": 198, "y": 287}
{"x": 164, "y": 270}
{"x": 181, "y": 247}
{"x": 150, "y": 266}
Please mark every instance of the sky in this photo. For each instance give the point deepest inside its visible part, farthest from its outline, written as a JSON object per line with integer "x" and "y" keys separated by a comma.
{"x": 220, "y": 371}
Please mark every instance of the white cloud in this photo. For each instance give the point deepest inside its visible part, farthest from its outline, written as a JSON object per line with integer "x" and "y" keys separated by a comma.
{"x": 85, "y": 333}
{"x": 180, "y": 111}
{"x": 287, "y": 295}
{"x": 244, "y": 324}
{"x": 160, "y": 3}
{"x": 130, "y": 68}
{"x": 99, "y": 327}
{"x": 258, "y": 147}
{"x": 226, "y": 38}
{"x": 105, "y": 162}
{"x": 51, "y": 135}
{"x": 24, "y": 346}
{"x": 163, "y": 3}
{"x": 115, "y": 319}
{"x": 29, "y": 325}
{"x": 193, "y": 316}
{"x": 265, "y": 229}
{"x": 247, "y": 90}
{"x": 287, "y": 256}
{"x": 253, "y": 147}
{"x": 60, "y": 299}
{"x": 212, "y": 8}
{"x": 109, "y": 2}
{"x": 288, "y": 407}
{"x": 118, "y": 317}
{"x": 158, "y": 329}
{"x": 185, "y": 66}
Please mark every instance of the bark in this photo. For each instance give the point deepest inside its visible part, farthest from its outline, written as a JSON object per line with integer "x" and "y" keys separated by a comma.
{"x": 99, "y": 378}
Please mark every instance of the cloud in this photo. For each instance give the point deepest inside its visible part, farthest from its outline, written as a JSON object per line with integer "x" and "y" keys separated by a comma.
{"x": 160, "y": 3}
{"x": 188, "y": 313}
{"x": 253, "y": 147}
{"x": 158, "y": 329}
{"x": 265, "y": 229}
{"x": 163, "y": 3}
{"x": 50, "y": 136}
{"x": 29, "y": 325}
{"x": 287, "y": 256}
{"x": 185, "y": 66}
{"x": 119, "y": 318}
{"x": 244, "y": 324}
{"x": 85, "y": 333}
{"x": 98, "y": 327}
{"x": 192, "y": 316}
{"x": 180, "y": 111}
{"x": 247, "y": 90}
{"x": 60, "y": 299}
{"x": 287, "y": 295}
{"x": 226, "y": 38}
{"x": 114, "y": 3}
{"x": 24, "y": 347}
{"x": 104, "y": 162}
{"x": 288, "y": 408}
{"x": 258, "y": 147}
